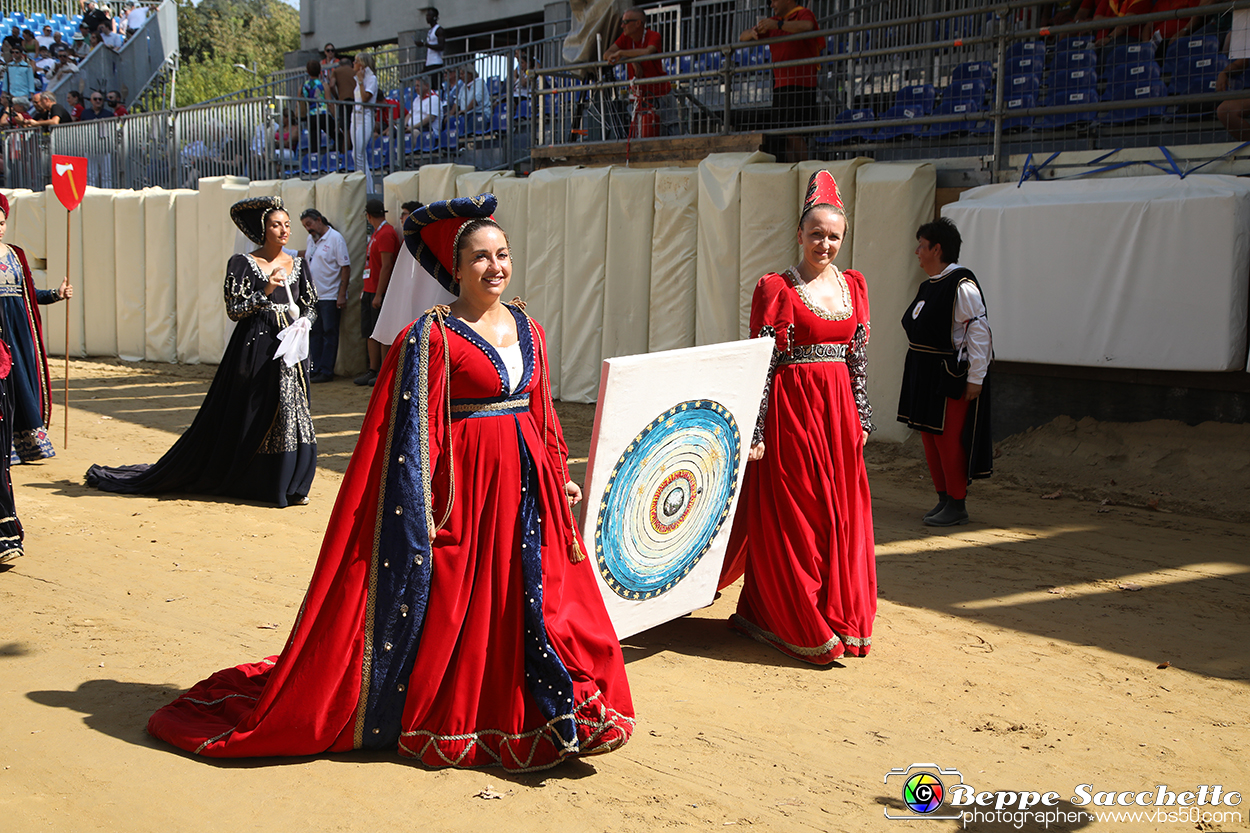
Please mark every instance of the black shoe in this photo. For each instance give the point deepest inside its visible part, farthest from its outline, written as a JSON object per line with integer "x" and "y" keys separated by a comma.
{"x": 953, "y": 514}
{"x": 366, "y": 378}
{"x": 943, "y": 499}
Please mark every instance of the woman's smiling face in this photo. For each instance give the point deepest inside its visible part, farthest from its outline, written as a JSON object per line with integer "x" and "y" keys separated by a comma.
{"x": 485, "y": 266}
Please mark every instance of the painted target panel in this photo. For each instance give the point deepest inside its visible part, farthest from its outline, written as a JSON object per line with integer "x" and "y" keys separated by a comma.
{"x": 666, "y": 498}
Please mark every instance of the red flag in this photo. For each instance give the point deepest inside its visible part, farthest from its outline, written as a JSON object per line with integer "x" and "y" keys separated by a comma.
{"x": 69, "y": 179}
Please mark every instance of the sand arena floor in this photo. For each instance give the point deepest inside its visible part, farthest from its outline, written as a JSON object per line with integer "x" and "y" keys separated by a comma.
{"x": 1022, "y": 650}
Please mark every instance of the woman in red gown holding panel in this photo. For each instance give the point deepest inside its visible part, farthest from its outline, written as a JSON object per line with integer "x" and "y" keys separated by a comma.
{"x": 452, "y": 613}
{"x": 803, "y": 529}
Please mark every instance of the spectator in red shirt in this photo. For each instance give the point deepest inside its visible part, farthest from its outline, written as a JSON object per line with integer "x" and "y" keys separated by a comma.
{"x": 794, "y": 88}
{"x": 637, "y": 41}
{"x": 383, "y": 246}
{"x": 74, "y": 99}
{"x": 114, "y": 102}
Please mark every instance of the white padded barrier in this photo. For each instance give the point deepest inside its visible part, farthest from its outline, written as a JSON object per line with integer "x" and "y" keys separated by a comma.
{"x": 1135, "y": 272}
{"x": 513, "y": 216}
{"x": 627, "y": 288}
{"x": 130, "y": 274}
{"x": 544, "y": 275}
{"x": 160, "y": 310}
{"x": 586, "y": 230}
{"x": 674, "y": 260}
{"x": 187, "y": 292}
{"x": 892, "y": 200}
{"x": 718, "y": 272}
{"x": 767, "y": 236}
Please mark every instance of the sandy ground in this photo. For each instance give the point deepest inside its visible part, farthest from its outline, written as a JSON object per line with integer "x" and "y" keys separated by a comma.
{"x": 1022, "y": 650}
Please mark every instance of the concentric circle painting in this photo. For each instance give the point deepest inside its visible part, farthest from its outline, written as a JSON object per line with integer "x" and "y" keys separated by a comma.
{"x": 666, "y": 498}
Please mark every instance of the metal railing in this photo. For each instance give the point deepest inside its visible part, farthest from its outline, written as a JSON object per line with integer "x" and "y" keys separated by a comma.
{"x": 943, "y": 81}
{"x": 142, "y": 59}
{"x": 268, "y": 138}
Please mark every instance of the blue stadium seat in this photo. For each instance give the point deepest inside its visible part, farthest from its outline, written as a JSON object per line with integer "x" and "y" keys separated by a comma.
{"x": 1026, "y": 65}
{"x": 494, "y": 86}
{"x": 1134, "y": 92}
{"x": 965, "y": 90}
{"x": 1060, "y": 97}
{"x": 428, "y": 141}
{"x": 1011, "y": 124}
{"x": 1193, "y": 46}
{"x": 522, "y": 108}
{"x": 953, "y": 105}
{"x": 852, "y": 125}
{"x": 334, "y": 161}
{"x": 449, "y": 140}
{"x": 1078, "y": 43}
{"x": 1143, "y": 73}
{"x": 1023, "y": 85}
{"x": 1196, "y": 73}
{"x": 313, "y": 163}
{"x": 911, "y": 102}
{"x": 1074, "y": 79}
{"x": 1132, "y": 53}
{"x": 974, "y": 71}
{"x": 1075, "y": 59}
{"x": 1026, "y": 49}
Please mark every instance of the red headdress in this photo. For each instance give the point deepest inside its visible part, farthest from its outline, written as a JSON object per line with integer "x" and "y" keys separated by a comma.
{"x": 822, "y": 190}
{"x": 4, "y": 205}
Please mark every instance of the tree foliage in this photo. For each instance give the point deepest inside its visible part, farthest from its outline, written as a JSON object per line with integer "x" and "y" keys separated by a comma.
{"x": 215, "y": 35}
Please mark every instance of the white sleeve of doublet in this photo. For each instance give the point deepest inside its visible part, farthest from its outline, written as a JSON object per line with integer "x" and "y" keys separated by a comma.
{"x": 970, "y": 318}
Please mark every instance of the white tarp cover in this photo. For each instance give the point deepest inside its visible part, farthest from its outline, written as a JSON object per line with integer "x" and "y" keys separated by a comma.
{"x": 217, "y": 242}
{"x": 1139, "y": 272}
{"x": 627, "y": 292}
{"x": 586, "y": 229}
{"x": 187, "y": 296}
{"x": 341, "y": 198}
{"x": 591, "y": 18}
{"x": 718, "y": 273}
{"x": 27, "y": 227}
{"x": 544, "y": 274}
{"x": 397, "y": 189}
{"x": 160, "y": 262}
{"x": 674, "y": 255}
{"x": 297, "y": 195}
{"x": 677, "y": 472}
{"x": 892, "y": 200}
{"x": 768, "y": 239}
{"x": 130, "y": 243}
{"x": 98, "y": 287}
{"x": 54, "y": 321}
{"x": 512, "y": 214}
{"x": 478, "y": 182}
{"x": 438, "y": 182}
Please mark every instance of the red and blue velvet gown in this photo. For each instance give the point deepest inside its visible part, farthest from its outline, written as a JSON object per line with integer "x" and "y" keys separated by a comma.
{"x": 803, "y": 528}
{"x": 446, "y": 616}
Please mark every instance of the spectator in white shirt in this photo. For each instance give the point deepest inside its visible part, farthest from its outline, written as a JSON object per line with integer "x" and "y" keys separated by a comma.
{"x": 46, "y": 39}
{"x": 110, "y": 38}
{"x": 135, "y": 17}
{"x": 427, "y": 110}
{"x": 329, "y": 266}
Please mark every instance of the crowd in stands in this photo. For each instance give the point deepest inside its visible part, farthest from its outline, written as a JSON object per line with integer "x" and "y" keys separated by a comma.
{"x": 39, "y": 53}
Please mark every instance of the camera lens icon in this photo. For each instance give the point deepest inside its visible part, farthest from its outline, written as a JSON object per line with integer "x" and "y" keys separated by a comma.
{"x": 923, "y": 793}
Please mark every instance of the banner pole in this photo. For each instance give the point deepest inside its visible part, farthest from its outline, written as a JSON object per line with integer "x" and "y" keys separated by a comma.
{"x": 65, "y": 445}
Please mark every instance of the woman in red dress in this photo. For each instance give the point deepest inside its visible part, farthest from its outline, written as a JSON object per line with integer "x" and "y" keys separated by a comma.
{"x": 803, "y": 530}
{"x": 452, "y": 613}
